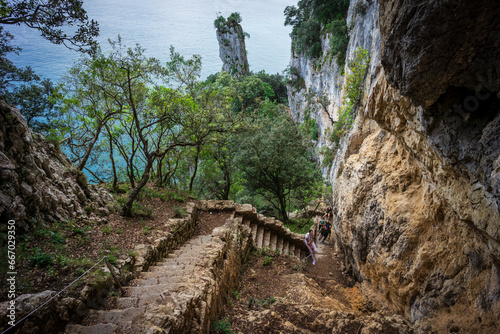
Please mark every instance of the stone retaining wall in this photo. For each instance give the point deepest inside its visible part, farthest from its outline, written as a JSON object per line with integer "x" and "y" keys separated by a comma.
{"x": 219, "y": 270}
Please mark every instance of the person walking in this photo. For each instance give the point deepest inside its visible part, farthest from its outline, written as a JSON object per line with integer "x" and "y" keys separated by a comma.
{"x": 325, "y": 231}
{"x": 309, "y": 240}
{"x": 328, "y": 213}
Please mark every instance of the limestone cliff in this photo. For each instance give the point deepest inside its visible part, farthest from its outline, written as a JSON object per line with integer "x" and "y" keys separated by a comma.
{"x": 416, "y": 181}
{"x": 38, "y": 182}
{"x": 232, "y": 49}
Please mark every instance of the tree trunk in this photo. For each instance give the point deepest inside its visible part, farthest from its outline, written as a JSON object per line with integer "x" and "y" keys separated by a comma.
{"x": 82, "y": 164}
{"x": 114, "y": 187}
{"x": 198, "y": 149}
{"x": 227, "y": 185}
{"x": 284, "y": 214}
{"x": 127, "y": 208}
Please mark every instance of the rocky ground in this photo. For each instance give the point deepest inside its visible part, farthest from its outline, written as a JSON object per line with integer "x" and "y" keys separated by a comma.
{"x": 276, "y": 294}
{"x": 280, "y": 294}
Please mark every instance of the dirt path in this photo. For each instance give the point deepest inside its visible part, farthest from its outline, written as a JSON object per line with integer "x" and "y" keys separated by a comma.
{"x": 281, "y": 294}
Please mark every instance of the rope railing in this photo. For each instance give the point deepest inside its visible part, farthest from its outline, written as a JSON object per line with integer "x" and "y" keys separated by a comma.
{"x": 57, "y": 294}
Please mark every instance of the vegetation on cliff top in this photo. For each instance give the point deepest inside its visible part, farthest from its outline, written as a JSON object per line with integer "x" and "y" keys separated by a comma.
{"x": 232, "y": 20}
{"x": 311, "y": 19}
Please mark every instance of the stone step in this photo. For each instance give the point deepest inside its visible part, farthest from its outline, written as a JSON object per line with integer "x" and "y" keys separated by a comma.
{"x": 202, "y": 239}
{"x": 191, "y": 248}
{"x": 137, "y": 291}
{"x": 115, "y": 316}
{"x": 182, "y": 253}
{"x": 172, "y": 267}
{"x": 121, "y": 303}
{"x": 259, "y": 238}
{"x": 160, "y": 280}
{"x": 95, "y": 329}
{"x": 121, "y": 328}
{"x": 168, "y": 272}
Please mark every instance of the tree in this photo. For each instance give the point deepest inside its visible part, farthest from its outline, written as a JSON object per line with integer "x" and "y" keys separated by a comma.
{"x": 277, "y": 162}
{"x": 49, "y": 17}
{"x": 61, "y": 22}
{"x": 35, "y": 103}
{"x": 88, "y": 98}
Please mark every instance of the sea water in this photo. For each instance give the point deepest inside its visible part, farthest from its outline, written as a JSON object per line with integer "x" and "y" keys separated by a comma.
{"x": 157, "y": 24}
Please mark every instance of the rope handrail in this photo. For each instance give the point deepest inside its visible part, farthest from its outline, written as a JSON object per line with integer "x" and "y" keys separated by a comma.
{"x": 57, "y": 294}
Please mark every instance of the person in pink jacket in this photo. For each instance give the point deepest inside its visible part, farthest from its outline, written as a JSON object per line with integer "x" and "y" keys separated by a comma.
{"x": 309, "y": 240}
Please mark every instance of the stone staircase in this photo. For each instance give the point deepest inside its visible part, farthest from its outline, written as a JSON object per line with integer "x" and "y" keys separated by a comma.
{"x": 184, "y": 280}
{"x": 161, "y": 300}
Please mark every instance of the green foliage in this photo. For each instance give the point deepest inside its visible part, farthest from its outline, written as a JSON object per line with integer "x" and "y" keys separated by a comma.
{"x": 300, "y": 226}
{"x": 54, "y": 140}
{"x": 234, "y": 17}
{"x": 146, "y": 230}
{"x": 339, "y": 40}
{"x": 61, "y": 22}
{"x": 41, "y": 15}
{"x": 58, "y": 239}
{"x": 35, "y": 104}
{"x": 306, "y": 20}
{"x": 221, "y": 327}
{"x": 112, "y": 259}
{"x": 268, "y": 260}
{"x": 277, "y": 162}
{"x": 41, "y": 259}
{"x": 236, "y": 294}
{"x": 55, "y": 237}
{"x": 179, "y": 212}
{"x": 141, "y": 210}
{"x": 278, "y": 85}
{"x": 354, "y": 87}
{"x": 233, "y": 20}
{"x": 219, "y": 22}
{"x": 309, "y": 127}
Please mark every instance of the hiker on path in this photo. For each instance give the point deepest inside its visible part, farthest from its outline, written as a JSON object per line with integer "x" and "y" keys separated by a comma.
{"x": 328, "y": 213}
{"x": 325, "y": 231}
{"x": 309, "y": 240}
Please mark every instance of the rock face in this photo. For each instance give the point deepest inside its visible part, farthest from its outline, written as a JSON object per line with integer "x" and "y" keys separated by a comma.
{"x": 416, "y": 181}
{"x": 37, "y": 181}
{"x": 232, "y": 49}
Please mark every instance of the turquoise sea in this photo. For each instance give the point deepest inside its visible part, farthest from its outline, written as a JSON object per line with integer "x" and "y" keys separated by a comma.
{"x": 157, "y": 24}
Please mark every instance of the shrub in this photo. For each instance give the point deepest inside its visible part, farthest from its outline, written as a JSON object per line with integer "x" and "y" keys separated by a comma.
{"x": 146, "y": 230}
{"x": 353, "y": 92}
{"x": 236, "y": 294}
{"x": 222, "y": 327}
{"x": 54, "y": 140}
{"x": 58, "y": 239}
{"x": 339, "y": 40}
{"x": 268, "y": 260}
{"x": 141, "y": 210}
{"x": 179, "y": 212}
{"x": 41, "y": 259}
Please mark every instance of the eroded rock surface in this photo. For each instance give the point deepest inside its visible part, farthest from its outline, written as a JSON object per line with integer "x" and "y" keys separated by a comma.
{"x": 415, "y": 181}
{"x": 38, "y": 182}
{"x": 232, "y": 49}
